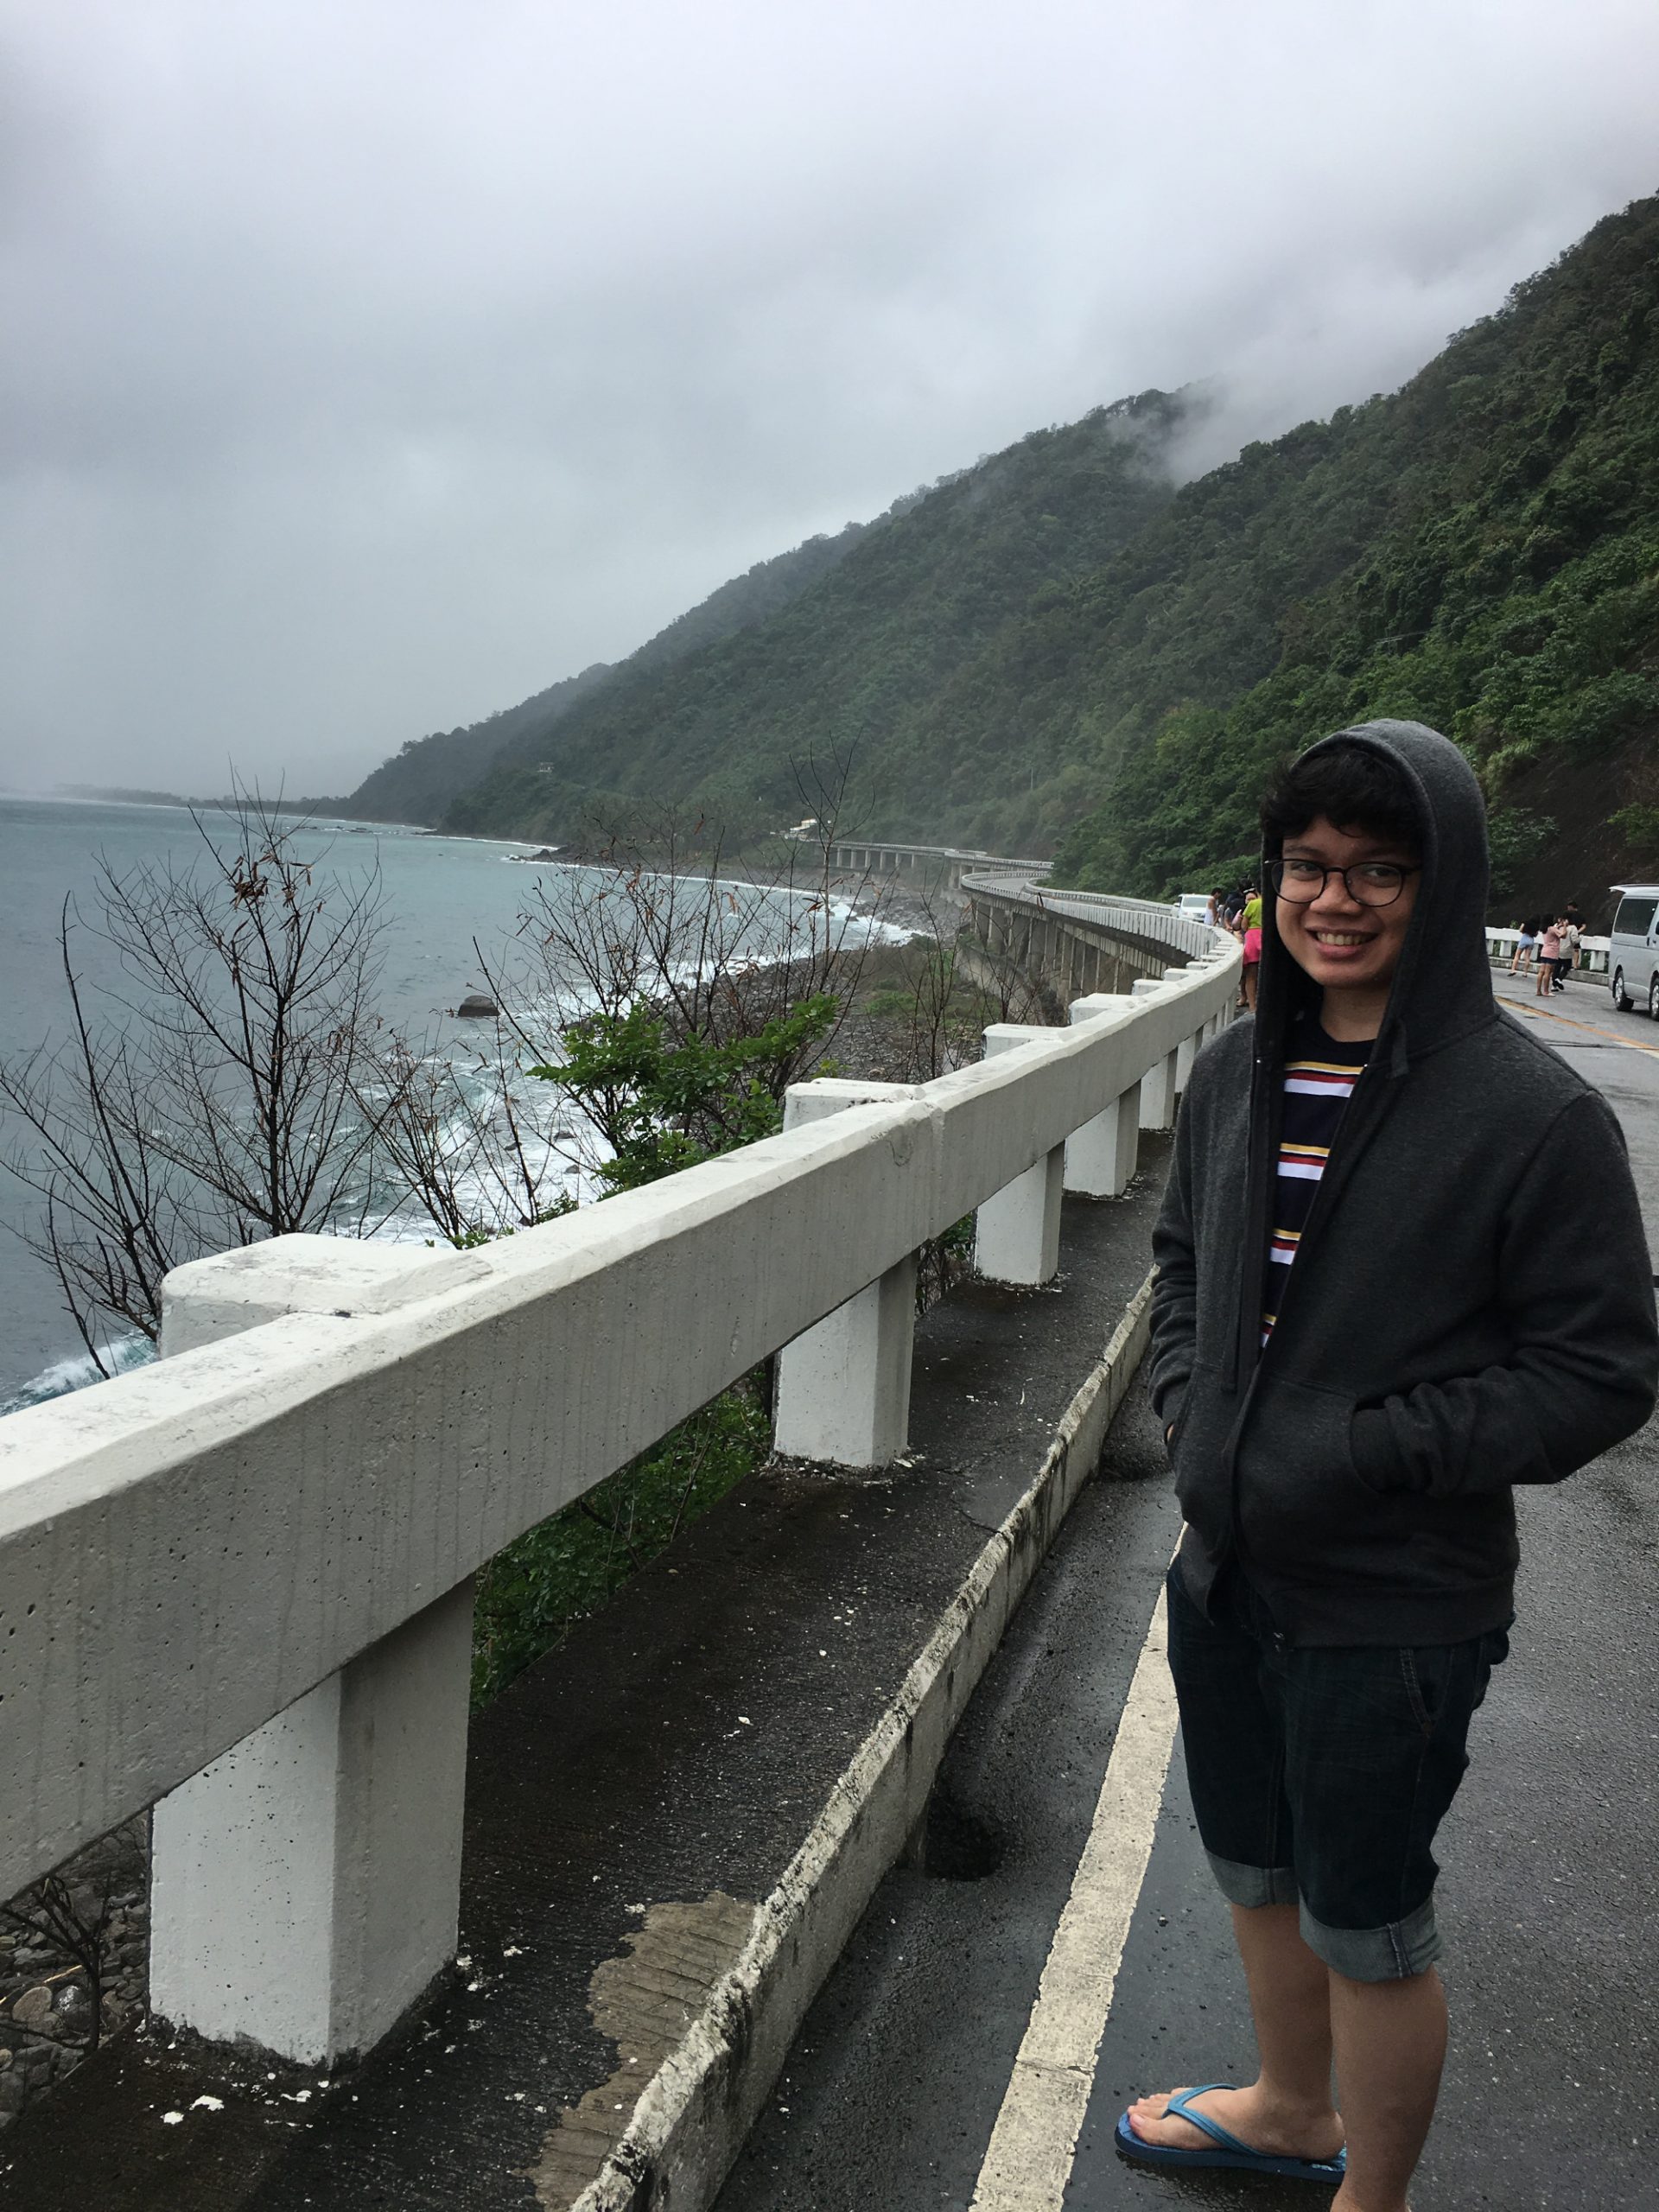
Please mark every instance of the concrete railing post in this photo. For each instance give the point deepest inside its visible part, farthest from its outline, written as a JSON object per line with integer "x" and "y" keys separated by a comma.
{"x": 1017, "y": 1231}
{"x": 1101, "y": 1156}
{"x": 1159, "y": 1084}
{"x": 305, "y": 1886}
{"x": 1187, "y": 1051}
{"x": 843, "y": 1388}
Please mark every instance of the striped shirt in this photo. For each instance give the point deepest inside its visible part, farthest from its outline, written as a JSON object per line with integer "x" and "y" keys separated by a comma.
{"x": 1319, "y": 1078}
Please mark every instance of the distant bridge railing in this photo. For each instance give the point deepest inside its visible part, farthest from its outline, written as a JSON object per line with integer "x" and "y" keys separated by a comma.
{"x": 1076, "y": 940}
{"x": 235, "y": 1585}
{"x": 938, "y": 863}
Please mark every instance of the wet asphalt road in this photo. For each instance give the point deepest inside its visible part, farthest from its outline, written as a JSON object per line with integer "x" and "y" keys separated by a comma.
{"x": 1549, "y": 1894}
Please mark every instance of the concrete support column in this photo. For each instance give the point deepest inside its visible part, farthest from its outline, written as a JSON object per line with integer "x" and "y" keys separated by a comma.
{"x": 1186, "y": 1052}
{"x": 1017, "y": 1231}
{"x": 1158, "y": 1085}
{"x": 305, "y": 1886}
{"x": 1101, "y": 1156}
{"x": 843, "y": 1388}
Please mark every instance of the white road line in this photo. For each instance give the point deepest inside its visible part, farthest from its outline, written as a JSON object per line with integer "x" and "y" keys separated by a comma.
{"x": 1035, "y": 2139}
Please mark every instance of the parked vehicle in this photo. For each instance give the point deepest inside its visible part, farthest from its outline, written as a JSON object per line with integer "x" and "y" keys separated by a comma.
{"x": 1192, "y": 905}
{"x": 1633, "y": 949}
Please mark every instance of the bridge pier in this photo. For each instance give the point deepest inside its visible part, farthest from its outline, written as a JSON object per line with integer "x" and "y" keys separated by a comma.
{"x": 1017, "y": 1231}
{"x": 1101, "y": 1157}
{"x": 843, "y": 1388}
{"x": 1159, "y": 1084}
{"x": 305, "y": 1886}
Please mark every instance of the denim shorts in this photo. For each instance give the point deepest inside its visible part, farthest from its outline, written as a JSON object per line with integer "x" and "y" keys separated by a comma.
{"x": 1320, "y": 1775}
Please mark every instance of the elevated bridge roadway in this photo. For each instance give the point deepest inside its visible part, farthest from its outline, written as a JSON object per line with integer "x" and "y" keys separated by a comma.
{"x": 555, "y": 1955}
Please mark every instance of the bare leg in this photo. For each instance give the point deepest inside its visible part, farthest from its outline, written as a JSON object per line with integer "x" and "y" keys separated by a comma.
{"x": 1287, "y": 2108}
{"x": 1390, "y": 2045}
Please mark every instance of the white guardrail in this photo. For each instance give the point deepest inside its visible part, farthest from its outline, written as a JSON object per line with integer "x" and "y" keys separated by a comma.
{"x": 237, "y": 1582}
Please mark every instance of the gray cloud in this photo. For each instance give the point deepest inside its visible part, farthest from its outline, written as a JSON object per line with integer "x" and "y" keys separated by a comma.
{"x": 366, "y": 369}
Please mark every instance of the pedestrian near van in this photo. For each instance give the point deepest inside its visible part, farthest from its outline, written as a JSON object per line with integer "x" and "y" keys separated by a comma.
{"x": 1400, "y": 1269}
{"x": 1572, "y": 943}
{"x": 1549, "y": 951}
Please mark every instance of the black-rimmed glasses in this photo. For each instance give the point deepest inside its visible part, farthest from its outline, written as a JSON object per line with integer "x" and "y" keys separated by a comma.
{"x": 1369, "y": 883}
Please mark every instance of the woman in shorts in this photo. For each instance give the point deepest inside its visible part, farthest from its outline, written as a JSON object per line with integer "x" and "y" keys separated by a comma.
{"x": 1523, "y": 949}
{"x": 1549, "y": 951}
{"x": 1252, "y": 963}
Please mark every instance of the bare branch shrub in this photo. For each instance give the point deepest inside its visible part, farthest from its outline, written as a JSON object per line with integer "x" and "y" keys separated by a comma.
{"x": 213, "y": 1095}
{"x": 69, "y": 1912}
{"x": 719, "y": 953}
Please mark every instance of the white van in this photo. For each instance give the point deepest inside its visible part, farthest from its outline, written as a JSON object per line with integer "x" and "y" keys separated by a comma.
{"x": 1192, "y": 905}
{"x": 1633, "y": 948}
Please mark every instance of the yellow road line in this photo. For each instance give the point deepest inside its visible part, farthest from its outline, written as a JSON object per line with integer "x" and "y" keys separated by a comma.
{"x": 1592, "y": 1027}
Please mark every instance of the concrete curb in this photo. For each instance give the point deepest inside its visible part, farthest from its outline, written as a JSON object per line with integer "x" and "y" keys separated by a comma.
{"x": 693, "y": 2115}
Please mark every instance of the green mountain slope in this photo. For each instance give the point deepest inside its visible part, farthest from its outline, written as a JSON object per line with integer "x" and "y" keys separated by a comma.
{"x": 1054, "y": 647}
{"x": 864, "y": 657}
{"x": 427, "y": 773}
{"x": 424, "y": 778}
{"x": 1479, "y": 550}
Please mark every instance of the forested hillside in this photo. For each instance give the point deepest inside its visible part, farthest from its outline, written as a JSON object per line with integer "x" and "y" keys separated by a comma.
{"x": 1056, "y": 648}
{"x": 427, "y": 773}
{"x": 865, "y": 657}
{"x": 1479, "y": 550}
{"x": 423, "y": 778}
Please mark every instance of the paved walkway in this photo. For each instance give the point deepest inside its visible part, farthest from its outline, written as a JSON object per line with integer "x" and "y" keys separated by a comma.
{"x": 924, "y": 2078}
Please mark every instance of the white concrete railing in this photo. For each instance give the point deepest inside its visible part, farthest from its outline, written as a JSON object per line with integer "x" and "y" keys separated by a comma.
{"x": 904, "y": 852}
{"x": 1592, "y": 951}
{"x": 237, "y": 1582}
{"x": 1137, "y": 917}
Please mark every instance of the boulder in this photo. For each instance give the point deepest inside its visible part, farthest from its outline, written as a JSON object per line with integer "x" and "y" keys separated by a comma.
{"x": 476, "y": 1007}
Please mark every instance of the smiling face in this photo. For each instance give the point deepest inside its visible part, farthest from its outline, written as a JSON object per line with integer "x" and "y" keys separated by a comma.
{"x": 1350, "y": 950}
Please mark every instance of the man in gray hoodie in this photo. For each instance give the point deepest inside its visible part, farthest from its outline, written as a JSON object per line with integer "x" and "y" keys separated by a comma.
{"x": 1401, "y": 1269}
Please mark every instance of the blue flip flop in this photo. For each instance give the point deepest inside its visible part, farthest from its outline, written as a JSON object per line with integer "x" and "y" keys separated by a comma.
{"x": 1229, "y": 2150}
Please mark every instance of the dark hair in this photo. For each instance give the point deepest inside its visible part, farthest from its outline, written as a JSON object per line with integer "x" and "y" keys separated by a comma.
{"x": 1352, "y": 786}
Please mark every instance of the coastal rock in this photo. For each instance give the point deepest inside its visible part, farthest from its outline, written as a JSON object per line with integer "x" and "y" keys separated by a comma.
{"x": 476, "y": 1007}
{"x": 34, "y": 2007}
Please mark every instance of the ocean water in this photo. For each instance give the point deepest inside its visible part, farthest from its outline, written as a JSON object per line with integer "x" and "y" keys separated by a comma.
{"x": 440, "y": 894}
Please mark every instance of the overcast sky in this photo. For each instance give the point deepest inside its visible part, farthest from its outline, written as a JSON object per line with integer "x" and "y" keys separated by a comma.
{"x": 369, "y": 363}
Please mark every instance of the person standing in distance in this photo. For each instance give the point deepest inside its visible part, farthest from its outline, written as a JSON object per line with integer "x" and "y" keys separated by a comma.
{"x": 1400, "y": 1269}
{"x": 1549, "y": 953}
{"x": 1572, "y": 943}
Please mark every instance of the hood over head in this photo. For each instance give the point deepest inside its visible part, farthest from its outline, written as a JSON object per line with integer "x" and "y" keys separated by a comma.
{"x": 1443, "y": 986}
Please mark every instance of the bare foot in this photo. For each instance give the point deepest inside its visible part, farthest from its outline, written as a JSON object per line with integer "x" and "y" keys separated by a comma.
{"x": 1247, "y": 2113}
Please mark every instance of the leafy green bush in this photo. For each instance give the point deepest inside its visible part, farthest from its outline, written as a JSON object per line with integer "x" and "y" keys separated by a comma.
{"x": 665, "y": 1101}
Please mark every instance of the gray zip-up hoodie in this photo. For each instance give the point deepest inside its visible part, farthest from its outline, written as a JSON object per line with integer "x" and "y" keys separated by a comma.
{"x": 1471, "y": 1302}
